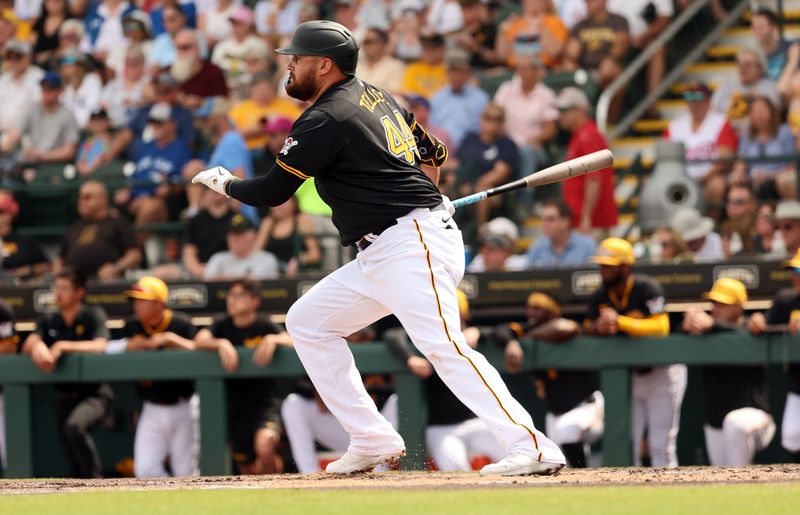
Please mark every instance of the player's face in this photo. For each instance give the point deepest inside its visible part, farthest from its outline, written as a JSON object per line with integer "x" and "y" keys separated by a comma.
{"x": 302, "y": 81}
{"x": 612, "y": 275}
{"x": 725, "y": 312}
{"x": 148, "y": 311}
{"x": 240, "y": 302}
{"x": 67, "y": 295}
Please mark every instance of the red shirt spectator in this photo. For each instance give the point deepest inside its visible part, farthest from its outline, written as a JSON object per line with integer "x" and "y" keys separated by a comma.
{"x": 591, "y": 197}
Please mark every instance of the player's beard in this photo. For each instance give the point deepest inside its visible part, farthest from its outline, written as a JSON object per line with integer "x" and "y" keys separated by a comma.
{"x": 300, "y": 89}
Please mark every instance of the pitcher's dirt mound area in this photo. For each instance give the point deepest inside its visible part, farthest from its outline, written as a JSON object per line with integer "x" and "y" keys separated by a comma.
{"x": 422, "y": 480}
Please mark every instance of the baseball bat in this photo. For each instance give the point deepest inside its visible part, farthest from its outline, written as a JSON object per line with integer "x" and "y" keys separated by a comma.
{"x": 559, "y": 172}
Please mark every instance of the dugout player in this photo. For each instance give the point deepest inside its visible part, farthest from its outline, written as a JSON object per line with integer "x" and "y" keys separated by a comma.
{"x": 74, "y": 328}
{"x": 454, "y": 434}
{"x": 786, "y": 310}
{"x": 378, "y": 169}
{"x": 9, "y": 344}
{"x": 575, "y": 405}
{"x": 253, "y": 404}
{"x": 168, "y": 424}
{"x": 633, "y": 305}
{"x": 738, "y": 420}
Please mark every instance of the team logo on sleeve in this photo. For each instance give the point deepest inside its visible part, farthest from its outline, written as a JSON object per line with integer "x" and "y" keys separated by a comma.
{"x": 288, "y": 144}
{"x": 656, "y": 305}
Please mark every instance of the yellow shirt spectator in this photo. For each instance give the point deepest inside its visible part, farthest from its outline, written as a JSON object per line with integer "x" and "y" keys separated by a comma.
{"x": 424, "y": 79}
{"x": 263, "y": 103}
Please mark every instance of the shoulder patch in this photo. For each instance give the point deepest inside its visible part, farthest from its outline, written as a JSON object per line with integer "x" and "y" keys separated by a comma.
{"x": 288, "y": 144}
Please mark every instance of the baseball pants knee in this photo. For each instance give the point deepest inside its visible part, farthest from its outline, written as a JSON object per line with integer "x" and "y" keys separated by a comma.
{"x": 790, "y": 428}
{"x": 744, "y": 432}
{"x": 452, "y": 446}
{"x": 582, "y": 424}
{"x": 167, "y": 432}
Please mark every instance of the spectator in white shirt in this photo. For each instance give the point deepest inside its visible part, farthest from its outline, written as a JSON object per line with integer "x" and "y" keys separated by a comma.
{"x": 82, "y": 87}
{"x": 230, "y": 53}
{"x": 376, "y": 66}
{"x": 243, "y": 259}
{"x": 20, "y": 82}
{"x": 122, "y": 96}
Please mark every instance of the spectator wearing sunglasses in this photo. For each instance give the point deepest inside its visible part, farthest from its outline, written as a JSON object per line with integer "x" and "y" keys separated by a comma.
{"x": 705, "y": 135}
{"x": 787, "y": 217}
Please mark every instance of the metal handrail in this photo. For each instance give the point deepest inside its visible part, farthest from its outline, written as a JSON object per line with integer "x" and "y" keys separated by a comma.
{"x": 604, "y": 102}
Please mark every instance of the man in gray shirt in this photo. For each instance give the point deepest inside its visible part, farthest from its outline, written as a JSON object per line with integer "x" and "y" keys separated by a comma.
{"x": 732, "y": 97}
{"x": 48, "y": 132}
{"x": 243, "y": 259}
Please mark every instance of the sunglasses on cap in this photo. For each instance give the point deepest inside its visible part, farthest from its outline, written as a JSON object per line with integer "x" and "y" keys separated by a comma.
{"x": 694, "y": 96}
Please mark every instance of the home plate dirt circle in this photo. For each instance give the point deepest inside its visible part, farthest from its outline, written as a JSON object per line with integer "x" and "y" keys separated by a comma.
{"x": 422, "y": 480}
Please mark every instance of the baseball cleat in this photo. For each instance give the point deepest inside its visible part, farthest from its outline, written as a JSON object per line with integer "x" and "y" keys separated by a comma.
{"x": 352, "y": 463}
{"x": 521, "y": 465}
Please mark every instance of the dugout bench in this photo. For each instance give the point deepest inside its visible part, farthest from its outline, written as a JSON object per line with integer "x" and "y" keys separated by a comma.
{"x": 612, "y": 356}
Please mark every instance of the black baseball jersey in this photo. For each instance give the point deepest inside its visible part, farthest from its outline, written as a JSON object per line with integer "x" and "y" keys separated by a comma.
{"x": 163, "y": 392}
{"x": 785, "y": 306}
{"x": 90, "y": 323}
{"x": 730, "y": 388}
{"x": 357, "y": 144}
{"x": 642, "y": 298}
{"x": 247, "y": 395}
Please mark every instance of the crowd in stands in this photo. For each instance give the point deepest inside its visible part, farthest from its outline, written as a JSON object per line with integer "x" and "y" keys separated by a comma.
{"x": 131, "y": 99}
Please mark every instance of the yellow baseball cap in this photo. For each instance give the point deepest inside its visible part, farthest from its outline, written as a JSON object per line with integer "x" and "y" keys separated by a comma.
{"x": 727, "y": 291}
{"x": 793, "y": 263}
{"x": 463, "y": 304}
{"x": 614, "y": 252}
{"x": 544, "y": 301}
{"x": 149, "y": 288}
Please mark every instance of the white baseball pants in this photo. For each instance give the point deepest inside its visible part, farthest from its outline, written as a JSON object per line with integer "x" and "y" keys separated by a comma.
{"x": 790, "y": 428}
{"x": 657, "y": 399}
{"x": 582, "y": 424}
{"x": 412, "y": 270}
{"x": 305, "y": 424}
{"x": 3, "y": 457}
{"x": 744, "y": 432}
{"x": 452, "y": 446}
{"x": 168, "y": 431}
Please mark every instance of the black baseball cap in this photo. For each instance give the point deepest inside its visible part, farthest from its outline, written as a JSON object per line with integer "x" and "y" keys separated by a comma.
{"x": 240, "y": 223}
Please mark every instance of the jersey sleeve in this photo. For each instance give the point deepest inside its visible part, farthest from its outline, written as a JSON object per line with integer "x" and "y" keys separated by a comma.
{"x": 182, "y": 326}
{"x": 312, "y": 145}
{"x": 653, "y": 299}
{"x": 99, "y": 329}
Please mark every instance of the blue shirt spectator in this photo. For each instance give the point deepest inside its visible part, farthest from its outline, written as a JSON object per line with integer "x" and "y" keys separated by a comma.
{"x": 161, "y": 160}
{"x": 559, "y": 245}
{"x": 157, "y": 17}
{"x": 166, "y": 91}
{"x": 104, "y": 24}
{"x": 479, "y": 155}
{"x": 232, "y": 154}
{"x": 457, "y": 107}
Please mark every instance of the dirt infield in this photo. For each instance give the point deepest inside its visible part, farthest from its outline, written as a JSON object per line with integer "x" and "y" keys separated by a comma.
{"x": 421, "y": 480}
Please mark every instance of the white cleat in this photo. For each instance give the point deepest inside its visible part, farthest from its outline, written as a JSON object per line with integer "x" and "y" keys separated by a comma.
{"x": 352, "y": 463}
{"x": 521, "y": 465}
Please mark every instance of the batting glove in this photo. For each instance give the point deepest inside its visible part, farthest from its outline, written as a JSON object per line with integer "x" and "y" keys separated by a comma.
{"x": 448, "y": 204}
{"x": 215, "y": 178}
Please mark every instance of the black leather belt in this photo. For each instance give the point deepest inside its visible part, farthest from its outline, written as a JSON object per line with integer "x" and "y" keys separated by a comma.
{"x": 368, "y": 239}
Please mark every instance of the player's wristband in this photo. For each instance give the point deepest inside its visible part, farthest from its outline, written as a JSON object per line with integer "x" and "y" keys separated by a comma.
{"x": 229, "y": 184}
{"x": 432, "y": 152}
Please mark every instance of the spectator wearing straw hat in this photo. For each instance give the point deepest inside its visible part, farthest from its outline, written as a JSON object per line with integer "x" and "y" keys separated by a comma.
{"x": 698, "y": 233}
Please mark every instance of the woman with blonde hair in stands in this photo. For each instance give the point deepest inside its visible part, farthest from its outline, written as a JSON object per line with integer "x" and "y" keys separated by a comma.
{"x": 671, "y": 247}
{"x": 538, "y": 29}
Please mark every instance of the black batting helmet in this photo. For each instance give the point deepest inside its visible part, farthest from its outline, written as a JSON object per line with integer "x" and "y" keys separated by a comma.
{"x": 326, "y": 39}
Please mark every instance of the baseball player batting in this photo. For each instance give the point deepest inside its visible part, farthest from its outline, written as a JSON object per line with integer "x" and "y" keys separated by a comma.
{"x": 378, "y": 169}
